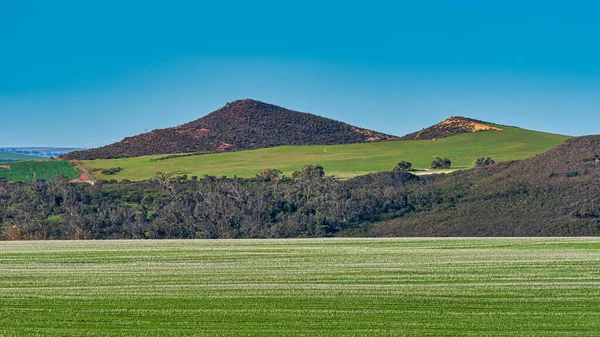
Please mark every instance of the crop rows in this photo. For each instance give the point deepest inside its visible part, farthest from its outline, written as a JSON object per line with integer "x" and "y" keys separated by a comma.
{"x": 26, "y": 171}
{"x": 320, "y": 287}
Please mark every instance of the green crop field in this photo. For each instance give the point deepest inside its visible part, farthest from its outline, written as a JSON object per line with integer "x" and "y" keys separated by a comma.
{"x": 29, "y": 170}
{"x": 343, "y": 161}
{"x": 315, "y": 287}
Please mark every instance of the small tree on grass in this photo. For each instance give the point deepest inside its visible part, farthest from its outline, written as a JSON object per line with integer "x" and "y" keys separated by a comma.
{"x": 483, "y": 162}
{"x": 402, "y": 166}
{"x": 440, "y": 163}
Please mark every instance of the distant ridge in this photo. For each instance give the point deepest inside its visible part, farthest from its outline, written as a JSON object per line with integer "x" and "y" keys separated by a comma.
{"x": 45, "y": 152}
{"x": 241, "y": 125}
{"x": 452, "y": 126}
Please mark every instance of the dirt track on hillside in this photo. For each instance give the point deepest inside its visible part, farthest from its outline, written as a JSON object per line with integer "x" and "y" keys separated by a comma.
{"x": 85, "y": 176}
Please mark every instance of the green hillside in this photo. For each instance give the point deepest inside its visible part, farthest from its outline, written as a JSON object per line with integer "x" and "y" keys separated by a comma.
{"x": 17, "y": 157}
{"x": 47, "y": 170}
{"x": 343, "y": 161}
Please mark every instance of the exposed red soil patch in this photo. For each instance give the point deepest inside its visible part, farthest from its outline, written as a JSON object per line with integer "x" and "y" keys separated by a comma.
{"x": 85, "y": 176}
{"x": 224, "y": 147}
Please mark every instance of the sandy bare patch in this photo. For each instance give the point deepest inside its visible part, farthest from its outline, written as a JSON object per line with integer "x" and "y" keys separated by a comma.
{"x": 426, "y": 173}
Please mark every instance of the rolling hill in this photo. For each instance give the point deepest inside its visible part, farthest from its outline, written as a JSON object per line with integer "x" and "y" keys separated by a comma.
{"x": 6, "y": 157}
{"x": 240, "y": 125}
{"x": 345, "y": 161}
{"x": 554, "y": 194}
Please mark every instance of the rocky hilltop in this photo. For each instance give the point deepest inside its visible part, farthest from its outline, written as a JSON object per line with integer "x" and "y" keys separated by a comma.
{"x": 240, "y": 125}
{"x": 452, "y": 126}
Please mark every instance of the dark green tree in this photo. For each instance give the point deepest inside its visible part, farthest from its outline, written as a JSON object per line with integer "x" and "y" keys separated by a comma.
{"x": 309, "y": 172}
{"x": 440, "y": 163}
{"x": 402, "y": 166}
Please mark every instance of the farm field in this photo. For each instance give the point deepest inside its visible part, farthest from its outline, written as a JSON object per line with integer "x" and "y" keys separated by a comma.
{"x": 311, "y": 287}
{"x": 344, "y": 161}
{"x": 25, "y": 171}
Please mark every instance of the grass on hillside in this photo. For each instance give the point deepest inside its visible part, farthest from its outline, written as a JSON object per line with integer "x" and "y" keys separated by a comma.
{"x": 320, "y": 287}
{"x": 25, "y": 171}
{"x": 343, "y": 161}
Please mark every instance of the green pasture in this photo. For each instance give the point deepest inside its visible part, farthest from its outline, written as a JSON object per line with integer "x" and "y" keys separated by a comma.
{"x": 31, "y": 170}
{"x": 314, "y": 287}
{"x": 343, "y": 161}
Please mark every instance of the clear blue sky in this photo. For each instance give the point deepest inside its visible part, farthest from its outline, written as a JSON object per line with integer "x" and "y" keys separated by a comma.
{"x": 83, "y": 73}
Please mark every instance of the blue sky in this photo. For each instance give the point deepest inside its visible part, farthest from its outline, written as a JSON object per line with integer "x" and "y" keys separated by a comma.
{"x": 84, "y": 74}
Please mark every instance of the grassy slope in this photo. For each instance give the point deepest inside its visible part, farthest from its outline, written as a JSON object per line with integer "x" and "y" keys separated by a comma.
{"x": 343, "y": 160}
{"x": 463, "y": 287}
{"x": 12, "y": 156}
{"x": 47, "y": 169}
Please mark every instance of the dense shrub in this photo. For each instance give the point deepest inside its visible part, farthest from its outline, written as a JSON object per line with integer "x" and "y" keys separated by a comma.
{"x": 483, "y": 162}
{"x": 110, "y": 171}
{"x": 403, "y": 166}
{"x": 440, "y": 163}
{"x": 571, "y": 174}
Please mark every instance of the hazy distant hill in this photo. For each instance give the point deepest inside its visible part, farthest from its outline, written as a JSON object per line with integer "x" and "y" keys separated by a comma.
{"x": 452, "y": 126}
{"x": 6, "y": 157}
{"x": 44, "y": 152}
{"x": 240, "y": 125}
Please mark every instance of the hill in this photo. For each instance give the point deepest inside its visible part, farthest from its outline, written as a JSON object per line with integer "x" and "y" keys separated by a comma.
{"x": 452, "y": 126}
{"x": 240, "y": 125}
{"x": 12, "y": 157}
{"x": 343, "y": 161}
{"x": 556, "y": 193}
